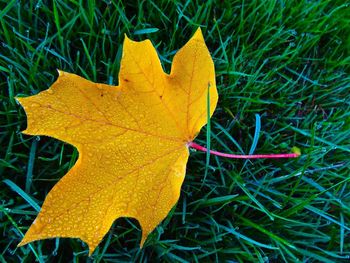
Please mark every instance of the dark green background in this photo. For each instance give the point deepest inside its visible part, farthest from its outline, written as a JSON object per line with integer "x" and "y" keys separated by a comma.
{"x": 285, "y": 63}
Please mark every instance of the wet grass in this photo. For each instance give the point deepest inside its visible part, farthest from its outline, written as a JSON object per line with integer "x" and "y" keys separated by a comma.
{"x": 283, "y": 79}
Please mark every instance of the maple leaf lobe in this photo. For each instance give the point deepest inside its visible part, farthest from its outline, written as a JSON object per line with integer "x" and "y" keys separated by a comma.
{"x": 132, "y": 140}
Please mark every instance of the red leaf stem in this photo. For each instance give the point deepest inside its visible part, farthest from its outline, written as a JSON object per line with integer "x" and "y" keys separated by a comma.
{"x": 238, "y": 156}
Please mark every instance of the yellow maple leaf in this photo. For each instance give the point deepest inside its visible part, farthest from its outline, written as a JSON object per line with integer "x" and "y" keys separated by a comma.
{"x": 132, "y": 140}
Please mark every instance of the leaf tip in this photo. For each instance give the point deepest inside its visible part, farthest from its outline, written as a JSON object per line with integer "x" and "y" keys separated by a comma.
{"x": 90, "y": 251}
{"x": 92, "y": 246}
{"x": 198, "y": 34}
{"x": 27, "y": 132}
{"x": 144, "y": 235}
{"x": 126, "y": 38}
{"x": 20, "y": 244}
{"x": 143, "y": 240}
{"x": 60, "y": 72}
{"x": 18, "y": 99}
{"x": 22, "y": 101}
{"x": 24, "y": 241}
{"x": 199, "y": 30}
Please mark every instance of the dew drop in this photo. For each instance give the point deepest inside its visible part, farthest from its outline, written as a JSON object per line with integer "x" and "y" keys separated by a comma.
{"x": 35, "y": 105}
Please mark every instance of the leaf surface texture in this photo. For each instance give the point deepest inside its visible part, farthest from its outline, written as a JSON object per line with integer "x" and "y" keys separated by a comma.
{"x": 132, "y": 140}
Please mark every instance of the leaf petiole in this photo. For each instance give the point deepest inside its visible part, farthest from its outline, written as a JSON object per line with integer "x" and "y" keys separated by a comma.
{"x": 249, "y": 156}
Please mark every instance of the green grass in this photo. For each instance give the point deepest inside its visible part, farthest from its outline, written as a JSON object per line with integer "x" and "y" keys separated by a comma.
{"x": 283, "y": 75}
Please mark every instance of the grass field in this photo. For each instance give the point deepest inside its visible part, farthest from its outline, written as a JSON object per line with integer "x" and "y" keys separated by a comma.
{"x": 283, "y": 76}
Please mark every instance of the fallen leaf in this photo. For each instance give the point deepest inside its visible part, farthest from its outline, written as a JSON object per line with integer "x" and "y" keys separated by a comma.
{"x": 132, "y": 140}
